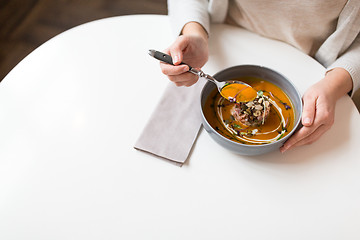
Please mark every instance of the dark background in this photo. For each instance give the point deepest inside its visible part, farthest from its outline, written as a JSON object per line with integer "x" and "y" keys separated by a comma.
{"x": 26, "y": 24}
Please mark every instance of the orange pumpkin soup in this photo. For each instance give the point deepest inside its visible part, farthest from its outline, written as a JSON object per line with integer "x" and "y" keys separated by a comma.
{"x": 271, "y": 100}
{"x": 236, "y": 92}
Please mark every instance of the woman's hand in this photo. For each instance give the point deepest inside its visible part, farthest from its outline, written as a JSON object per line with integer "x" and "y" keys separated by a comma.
{"x": 191, "y": 48}
{"x": 319, "y": 107}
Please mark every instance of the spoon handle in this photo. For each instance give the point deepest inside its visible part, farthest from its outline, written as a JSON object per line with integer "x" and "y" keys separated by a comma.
{"x": 164, "y": 57}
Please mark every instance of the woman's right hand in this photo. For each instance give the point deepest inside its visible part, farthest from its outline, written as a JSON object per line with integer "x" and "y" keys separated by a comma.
{"x": 191, "y": 48}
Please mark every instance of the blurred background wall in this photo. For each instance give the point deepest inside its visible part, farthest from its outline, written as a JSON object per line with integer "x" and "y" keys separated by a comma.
{"x": 26, "y": 24}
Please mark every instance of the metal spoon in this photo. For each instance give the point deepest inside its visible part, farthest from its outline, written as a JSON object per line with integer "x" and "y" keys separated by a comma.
{"x": 221, "y": 86}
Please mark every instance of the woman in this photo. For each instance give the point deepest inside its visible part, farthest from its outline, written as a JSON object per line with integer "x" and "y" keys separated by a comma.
{"x": 325, "y": 30}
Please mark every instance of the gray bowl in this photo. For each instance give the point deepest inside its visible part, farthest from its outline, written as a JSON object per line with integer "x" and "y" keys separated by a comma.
{"x": 260, "y": 72}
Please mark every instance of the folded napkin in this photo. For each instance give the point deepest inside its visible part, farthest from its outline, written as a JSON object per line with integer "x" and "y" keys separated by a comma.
{"x": 173, "y": 126}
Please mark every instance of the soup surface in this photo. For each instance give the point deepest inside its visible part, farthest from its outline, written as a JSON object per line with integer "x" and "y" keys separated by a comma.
{"x": 219, "y": 113}
{"x": 236, "y": 92}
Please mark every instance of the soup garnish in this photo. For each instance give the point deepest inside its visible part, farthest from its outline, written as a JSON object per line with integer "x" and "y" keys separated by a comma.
{"x": 252, "y": 113}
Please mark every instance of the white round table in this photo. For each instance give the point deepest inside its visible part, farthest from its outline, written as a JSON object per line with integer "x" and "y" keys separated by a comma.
{"x": 68, "y": 169}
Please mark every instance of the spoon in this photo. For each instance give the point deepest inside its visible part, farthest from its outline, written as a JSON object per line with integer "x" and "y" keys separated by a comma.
{"x": 234, "y": 91}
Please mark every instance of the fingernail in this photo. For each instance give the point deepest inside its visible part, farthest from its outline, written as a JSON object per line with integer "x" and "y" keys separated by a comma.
{"x": 307, "y": 120}
{"x": 282, "y": 149}
{"x": 175, "y": 59}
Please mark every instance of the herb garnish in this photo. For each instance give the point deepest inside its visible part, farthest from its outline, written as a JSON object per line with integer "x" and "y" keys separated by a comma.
{"x": 236, "y": 126}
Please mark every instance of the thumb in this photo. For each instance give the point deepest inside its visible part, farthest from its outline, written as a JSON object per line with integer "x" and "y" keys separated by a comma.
{"x": 308, "y": 111}
{"x": 176, "y": 50}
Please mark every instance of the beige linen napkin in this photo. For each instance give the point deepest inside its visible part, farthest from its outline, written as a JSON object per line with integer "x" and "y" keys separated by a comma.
{"x": 173, "y": 126}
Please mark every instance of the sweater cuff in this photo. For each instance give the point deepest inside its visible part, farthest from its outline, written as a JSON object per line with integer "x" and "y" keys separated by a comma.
{"x": 353, "y": 68}
{"x": 350, "y": 61}
{"x": 183, "y": 12}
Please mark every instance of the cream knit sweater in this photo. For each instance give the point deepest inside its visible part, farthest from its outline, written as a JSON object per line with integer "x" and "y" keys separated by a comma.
{"x": 336, "y": 45}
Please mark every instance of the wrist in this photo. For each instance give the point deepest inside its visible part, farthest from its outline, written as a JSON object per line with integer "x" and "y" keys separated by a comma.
{"x": 340, "y": 82}
{"x": 195, "y": 29}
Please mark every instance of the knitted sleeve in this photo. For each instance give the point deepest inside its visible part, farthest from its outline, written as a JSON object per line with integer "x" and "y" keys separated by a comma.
{"x": 183, "y": 11}
{"x": 350, "y": 61}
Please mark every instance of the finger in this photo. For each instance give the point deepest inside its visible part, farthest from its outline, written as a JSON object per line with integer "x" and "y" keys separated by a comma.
{"x": 176, "y": 49}
{"x": 308, "y": 140}
{"x": 307, "y": 134}
{"x": 309, "y": 110}
{"x": 301, "y": 134}
{"x": 326, "y": 115}
{"x": 171, "y": 70}
{"x": 190, "y": 83}
{"x": 185, "y": 79}
{"x": 185, "y": 84}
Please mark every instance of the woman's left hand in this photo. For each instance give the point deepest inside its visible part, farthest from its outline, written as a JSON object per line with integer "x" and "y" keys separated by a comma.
{"x": 319, "y": 107}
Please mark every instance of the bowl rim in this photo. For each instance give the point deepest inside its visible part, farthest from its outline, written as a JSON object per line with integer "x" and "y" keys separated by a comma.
{"x": 296, "y": 125}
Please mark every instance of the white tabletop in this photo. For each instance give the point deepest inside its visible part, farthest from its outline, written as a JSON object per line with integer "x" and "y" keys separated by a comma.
{"x": 68, "y": 169}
